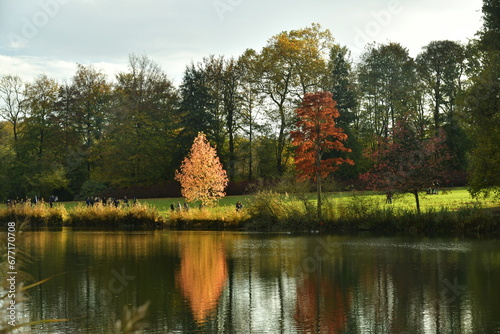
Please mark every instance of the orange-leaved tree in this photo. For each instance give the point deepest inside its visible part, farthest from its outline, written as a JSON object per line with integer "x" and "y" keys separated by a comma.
{"x": 315, "y": 136}
{"x": 201, "y": 174}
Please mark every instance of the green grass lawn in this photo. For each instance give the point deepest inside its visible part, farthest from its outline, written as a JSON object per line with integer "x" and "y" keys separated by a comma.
{"x": 163, "y": 204}
{"x": 451, "y": 198}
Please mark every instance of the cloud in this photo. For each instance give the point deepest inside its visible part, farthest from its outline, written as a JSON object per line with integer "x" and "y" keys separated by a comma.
{"x": 28, "y": 68}
{"x": 55, "y": 34}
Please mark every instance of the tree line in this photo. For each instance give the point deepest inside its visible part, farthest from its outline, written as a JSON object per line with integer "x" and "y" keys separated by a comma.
{"x": 92, "y": 132}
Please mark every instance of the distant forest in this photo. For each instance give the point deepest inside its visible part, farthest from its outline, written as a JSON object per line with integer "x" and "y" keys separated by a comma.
{"x": 93, "y": 134}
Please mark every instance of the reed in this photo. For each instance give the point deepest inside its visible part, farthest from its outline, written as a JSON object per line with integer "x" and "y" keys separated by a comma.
{"x": 219, "y": 218}
{"x": 139, "y": 216}
{"x": 39, "y": 215}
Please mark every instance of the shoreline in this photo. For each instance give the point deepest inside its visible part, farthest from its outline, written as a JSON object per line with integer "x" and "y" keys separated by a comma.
{"x": 462, "y": 223}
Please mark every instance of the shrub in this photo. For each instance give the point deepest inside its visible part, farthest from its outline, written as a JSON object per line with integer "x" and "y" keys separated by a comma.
{"x": 92, "y": 188}
{"x": 272, "y": 211}
{"x": 266, "y": 210}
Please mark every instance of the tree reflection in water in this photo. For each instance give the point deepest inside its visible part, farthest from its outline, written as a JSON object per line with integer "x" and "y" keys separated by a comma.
{"x": 202, "y": 274}
{"x": 322, "y": 306}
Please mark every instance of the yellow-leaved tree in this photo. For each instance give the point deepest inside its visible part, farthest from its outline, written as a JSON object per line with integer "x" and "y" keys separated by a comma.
{"x": 201, "y": 174}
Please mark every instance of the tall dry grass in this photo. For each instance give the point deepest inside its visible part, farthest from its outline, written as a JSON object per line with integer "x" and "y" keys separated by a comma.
{"x": 107, "y": 216}
{"x": 220, "y": 218}
{"x": 39, "y": 215}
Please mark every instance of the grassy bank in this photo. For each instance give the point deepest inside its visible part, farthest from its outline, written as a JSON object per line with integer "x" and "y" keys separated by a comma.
{"x": 140, "y": 216}
{"x": 451, "y": 213}
{"x": 451, "y": 199}
{"x": 270, "y": 211}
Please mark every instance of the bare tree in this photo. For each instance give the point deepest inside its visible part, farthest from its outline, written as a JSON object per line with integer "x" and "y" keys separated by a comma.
{"x": 12, "y": 107}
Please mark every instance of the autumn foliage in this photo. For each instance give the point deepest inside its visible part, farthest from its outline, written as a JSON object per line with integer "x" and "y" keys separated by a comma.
{"x": 203, "y": 274}
{"x": 317, "y": 135}
{"x": 201, "y": 174}
{"x": 407, "y": 162}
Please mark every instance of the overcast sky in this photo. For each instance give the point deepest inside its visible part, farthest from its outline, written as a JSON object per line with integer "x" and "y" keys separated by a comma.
{"x": 51, "y": 36}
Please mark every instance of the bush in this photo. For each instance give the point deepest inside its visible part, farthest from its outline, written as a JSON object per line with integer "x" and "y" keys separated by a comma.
{"x": 266, "y": 210}
{"x": 272, "y": 211}
{"x": 92, "y": 188}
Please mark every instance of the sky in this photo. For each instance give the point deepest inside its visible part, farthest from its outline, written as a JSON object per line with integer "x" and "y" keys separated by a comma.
{"x": 51, "y": 36}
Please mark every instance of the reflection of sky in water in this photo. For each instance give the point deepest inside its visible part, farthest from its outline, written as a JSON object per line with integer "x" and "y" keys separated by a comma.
{"x": 455, "y": 246}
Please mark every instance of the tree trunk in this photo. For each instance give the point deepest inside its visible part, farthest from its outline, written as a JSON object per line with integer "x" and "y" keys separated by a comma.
{"x": 281, "y": 143}
{"x": 318, "y": 183}
{"x": 250, "y": 155}
{"x": 40, "y": 142}
{"x": 14, "y": 128}
{"x": 437, "y": 106}
{"x": 318, "y": 190}
{"x": 232, "y": 157}
{"x": 417, "y": 200}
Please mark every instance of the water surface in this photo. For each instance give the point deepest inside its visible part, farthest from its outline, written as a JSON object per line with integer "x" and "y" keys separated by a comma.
{"x": 230, "y": 282}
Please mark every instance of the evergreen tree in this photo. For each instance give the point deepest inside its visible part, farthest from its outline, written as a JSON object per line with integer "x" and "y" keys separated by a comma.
{"x": 341, "y": 82}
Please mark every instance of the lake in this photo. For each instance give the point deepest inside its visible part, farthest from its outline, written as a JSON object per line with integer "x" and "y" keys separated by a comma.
{"x": 231, "y": 282}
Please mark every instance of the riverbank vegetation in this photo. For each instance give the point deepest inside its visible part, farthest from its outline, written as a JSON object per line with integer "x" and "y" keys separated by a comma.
{"x": 367, "y": 213}
{"x": 452, "y": 212}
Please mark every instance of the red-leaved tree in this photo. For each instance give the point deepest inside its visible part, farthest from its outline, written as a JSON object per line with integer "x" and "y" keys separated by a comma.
{"x": 407, "y": 162}
{"x": 315, "y": 136}
{"x": 201, "y": 174}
